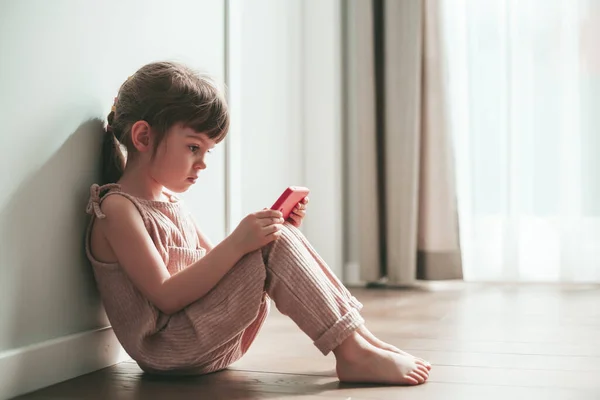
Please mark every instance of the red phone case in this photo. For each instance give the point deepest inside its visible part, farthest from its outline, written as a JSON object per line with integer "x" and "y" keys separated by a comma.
{"x": 289, "y": 198}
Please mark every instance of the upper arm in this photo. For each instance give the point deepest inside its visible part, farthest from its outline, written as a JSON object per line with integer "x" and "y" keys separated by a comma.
{"x": 133, "y": 247}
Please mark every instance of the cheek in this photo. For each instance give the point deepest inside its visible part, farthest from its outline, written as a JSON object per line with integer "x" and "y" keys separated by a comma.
{"x": 179, "y": 165}
{"x": 169, "y": 162}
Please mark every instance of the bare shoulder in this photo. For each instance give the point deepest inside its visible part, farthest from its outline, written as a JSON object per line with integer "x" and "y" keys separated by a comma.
{"x": 122, "y": 219}
{"x": 121, "y": 216}
{"x": 117, "y": 207}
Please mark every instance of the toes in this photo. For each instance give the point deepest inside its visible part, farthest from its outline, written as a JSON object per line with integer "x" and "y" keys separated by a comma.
{"x": 422, "y": 371}
{"x": 417, "y": 376}
{"x": 422, "y": 362}
{"x": 410, "y": 380}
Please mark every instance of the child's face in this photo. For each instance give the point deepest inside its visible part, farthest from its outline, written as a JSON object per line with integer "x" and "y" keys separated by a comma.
{"x": 180, "y": 157}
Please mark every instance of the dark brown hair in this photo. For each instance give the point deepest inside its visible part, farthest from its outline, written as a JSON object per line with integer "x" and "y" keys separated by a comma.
{"x": 162, "y": 94}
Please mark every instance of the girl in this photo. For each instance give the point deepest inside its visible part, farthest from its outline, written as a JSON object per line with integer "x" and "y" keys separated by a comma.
{"x": 177, "y": 303}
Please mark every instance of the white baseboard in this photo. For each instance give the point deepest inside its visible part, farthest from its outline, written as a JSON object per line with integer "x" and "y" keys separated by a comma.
{"x": 30, "y": 368}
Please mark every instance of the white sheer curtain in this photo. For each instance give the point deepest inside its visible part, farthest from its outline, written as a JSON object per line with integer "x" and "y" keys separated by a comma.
{"x": 524, "y": 96}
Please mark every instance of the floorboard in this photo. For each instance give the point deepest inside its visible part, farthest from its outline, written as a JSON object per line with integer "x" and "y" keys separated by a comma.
{"x": 485, "y": 341}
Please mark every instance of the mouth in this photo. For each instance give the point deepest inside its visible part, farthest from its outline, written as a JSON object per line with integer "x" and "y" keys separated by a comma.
{"x": 192, "y": 180}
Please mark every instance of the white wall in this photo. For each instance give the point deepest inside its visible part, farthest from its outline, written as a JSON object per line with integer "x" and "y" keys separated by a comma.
{"x": 61, "y": 64}
{"x": 270, "y": 99}
{"x": 288, "y": 131}
{"x": 323, "y": 111}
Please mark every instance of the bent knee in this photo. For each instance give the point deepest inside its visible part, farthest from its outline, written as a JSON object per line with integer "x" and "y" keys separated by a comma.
{"x": 289, "y": 235}
{"x": 287, "y": 239}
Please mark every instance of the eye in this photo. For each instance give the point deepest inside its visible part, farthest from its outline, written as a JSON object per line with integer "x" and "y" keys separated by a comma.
{"x": 194, "y": 148}
{"x": 210, "y": 151}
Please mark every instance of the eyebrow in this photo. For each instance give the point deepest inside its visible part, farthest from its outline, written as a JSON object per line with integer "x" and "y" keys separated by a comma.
{"x": 199, "y": 137}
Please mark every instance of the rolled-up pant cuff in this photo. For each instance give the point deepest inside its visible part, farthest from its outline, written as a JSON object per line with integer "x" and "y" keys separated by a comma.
{"x": 339, "y": 332}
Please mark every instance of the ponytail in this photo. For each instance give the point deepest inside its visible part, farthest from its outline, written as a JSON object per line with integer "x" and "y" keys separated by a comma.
{"x": 113, "y": 159}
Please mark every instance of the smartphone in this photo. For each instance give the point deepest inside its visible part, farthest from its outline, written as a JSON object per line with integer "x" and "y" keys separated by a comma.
{"x": 289, "y": 198}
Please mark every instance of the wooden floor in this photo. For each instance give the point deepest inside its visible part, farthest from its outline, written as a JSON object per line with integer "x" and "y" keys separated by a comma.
{"x": 484, "y": 341}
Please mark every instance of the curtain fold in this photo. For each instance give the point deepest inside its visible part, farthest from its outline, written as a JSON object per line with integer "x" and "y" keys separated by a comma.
{"x": 400, "y": 161}
{"x": 363, "y": 242}
{"x": 439, "y": 255}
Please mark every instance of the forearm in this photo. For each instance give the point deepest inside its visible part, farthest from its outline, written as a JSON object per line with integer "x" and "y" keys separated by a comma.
{"x": 198, "y": 279}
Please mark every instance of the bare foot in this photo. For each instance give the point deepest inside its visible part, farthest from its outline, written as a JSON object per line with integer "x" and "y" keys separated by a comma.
{"x": 380, "y": 344}
{"x": 359, "y": 361}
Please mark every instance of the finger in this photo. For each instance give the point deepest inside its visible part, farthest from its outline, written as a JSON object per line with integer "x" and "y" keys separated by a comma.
{"x": 267, "y": 230}
{"x": 271, "y": 221}
{"x": 293, "y": 216}
{"x": 269, "y": 214}
{"x": 273, "y": 236}
{"x": 300, "y": 213}
{"x": 296, "y": 221}
{"x": 305, "y": 200}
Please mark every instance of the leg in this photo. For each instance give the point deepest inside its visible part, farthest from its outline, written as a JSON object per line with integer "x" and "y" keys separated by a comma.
{"x": 334, "y": 282}
{"x": 301, "y": 290}
{"x": 336, "y": 285}
{"x": 218, "y": 329}
{"x": 300, "y": 285}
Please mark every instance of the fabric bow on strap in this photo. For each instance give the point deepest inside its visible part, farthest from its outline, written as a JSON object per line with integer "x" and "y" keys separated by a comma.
{"x": 93, "y": 206}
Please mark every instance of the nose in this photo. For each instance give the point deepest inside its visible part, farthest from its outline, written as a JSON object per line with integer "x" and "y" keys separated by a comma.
{"x": 200, "y": 165}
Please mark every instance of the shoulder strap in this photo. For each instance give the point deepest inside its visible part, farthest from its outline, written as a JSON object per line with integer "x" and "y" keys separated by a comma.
{"x": 96, "y": 193}
{"x": 99, "y": 193}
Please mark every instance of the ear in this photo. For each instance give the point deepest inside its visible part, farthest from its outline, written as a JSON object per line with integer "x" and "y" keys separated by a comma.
{"x": 141, "y": 136}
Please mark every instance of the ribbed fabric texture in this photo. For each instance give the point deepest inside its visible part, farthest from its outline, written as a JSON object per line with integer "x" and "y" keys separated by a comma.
{"x": 216, "y": 330}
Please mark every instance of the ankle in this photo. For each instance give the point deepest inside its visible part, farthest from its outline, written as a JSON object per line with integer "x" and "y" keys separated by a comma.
{"x": 351, "y": 349}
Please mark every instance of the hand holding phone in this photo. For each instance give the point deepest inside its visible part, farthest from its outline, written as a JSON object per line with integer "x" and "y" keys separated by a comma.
{"x": 288, "y": 200}
{"x": 256, "y": 230}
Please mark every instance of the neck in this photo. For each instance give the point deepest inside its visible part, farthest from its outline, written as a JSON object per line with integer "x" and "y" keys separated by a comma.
{"x": 138, "y": 182}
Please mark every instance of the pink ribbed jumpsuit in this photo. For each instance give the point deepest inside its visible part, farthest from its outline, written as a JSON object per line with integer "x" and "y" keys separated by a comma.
{"x": 216, "y": 330}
